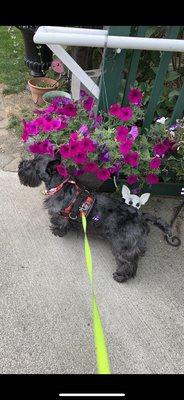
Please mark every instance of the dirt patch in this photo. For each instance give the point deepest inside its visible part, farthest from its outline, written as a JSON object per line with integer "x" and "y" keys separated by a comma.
{"x": 11, "y": 147}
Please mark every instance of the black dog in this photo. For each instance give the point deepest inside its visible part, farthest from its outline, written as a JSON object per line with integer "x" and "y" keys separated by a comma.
{"x": 125, "y": 227}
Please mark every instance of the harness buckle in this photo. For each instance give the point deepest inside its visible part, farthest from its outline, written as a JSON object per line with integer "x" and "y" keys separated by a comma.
{"x": 72, "y": 217}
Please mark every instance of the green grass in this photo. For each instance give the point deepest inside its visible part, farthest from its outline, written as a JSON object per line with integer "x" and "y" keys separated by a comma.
{"x": 13, "y": 71}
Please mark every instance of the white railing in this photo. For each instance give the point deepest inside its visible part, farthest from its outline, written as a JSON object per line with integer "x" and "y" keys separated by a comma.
{"x": 56, "y": 37}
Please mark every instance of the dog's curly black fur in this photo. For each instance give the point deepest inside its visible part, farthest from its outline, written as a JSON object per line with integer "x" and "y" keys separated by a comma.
{"x": 125, "y": 227}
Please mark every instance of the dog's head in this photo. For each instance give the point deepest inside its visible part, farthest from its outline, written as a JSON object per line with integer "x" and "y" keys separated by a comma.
{"x": 40, "y": 168}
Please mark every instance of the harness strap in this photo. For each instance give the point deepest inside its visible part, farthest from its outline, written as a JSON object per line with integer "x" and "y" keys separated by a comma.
{"x": 81, "y": 202}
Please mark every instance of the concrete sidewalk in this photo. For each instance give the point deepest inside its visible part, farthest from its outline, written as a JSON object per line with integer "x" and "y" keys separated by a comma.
{"x": 45, "y": 296}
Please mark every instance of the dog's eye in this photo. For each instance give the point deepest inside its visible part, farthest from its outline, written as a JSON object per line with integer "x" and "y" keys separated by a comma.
{"x": 137, "y": 205}
{"x": 130, "y": 202}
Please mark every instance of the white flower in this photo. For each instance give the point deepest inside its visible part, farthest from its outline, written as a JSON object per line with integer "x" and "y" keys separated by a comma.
{"x": 161, "y": 120}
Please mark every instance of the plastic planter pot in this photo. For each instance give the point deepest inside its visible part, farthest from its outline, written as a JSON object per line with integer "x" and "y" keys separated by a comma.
{"x": 161, "y": 189}
{"x": 49, "y": 96}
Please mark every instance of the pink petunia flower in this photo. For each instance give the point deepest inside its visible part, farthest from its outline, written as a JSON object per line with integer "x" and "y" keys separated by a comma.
{"x": 126, "y": 147}
{"x": 135, "y": 96}
{"x": 131, "y": 179}
{"x": 80, "y": 158}
{"x": 74, "y": 147}
{"x": 132, "y": 159}
{"x": 168, "y": 144}
{"x": 45, "y": 147}
{"x": 91, "y": 167}
{"x": 88, "y": 103}
{"x": 65, "y": 151}
{"x": 115, "y": 109}
{"x": 125, "y": 113}
{"x": 121, "y": 133}
{"x": 155, "y": 163}
{"x": 25, "y": 133}
{"x": 69, "y": 110}
{"x": 61, "y": 169}
{"x": 103, "y": 174}
{"x": 57, "y": 124}
{"x": 87, "y": 145}
{"x": 160, "y": 149}
{"x": 73, "y": 136}
{"x": 152, "y": 179}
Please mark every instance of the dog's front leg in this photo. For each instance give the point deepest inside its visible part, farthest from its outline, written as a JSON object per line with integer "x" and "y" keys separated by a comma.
{"x": 59, "y": 225}
{"x": 126, "y": 268}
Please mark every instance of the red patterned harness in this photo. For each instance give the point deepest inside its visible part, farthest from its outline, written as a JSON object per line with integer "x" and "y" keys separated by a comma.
{"x": 85, "y": 207}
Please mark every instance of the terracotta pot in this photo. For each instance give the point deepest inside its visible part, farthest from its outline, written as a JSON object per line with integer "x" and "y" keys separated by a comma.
{"x": 37, "y": 92}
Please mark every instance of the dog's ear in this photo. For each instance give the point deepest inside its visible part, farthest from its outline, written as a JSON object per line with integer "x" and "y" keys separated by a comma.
{"x": 144, "y": 198}
{"x": 125, "y": 192}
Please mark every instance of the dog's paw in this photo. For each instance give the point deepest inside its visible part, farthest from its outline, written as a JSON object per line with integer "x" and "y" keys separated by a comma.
{"x": 121, "y": 277}
{"x": 56, "y": 232}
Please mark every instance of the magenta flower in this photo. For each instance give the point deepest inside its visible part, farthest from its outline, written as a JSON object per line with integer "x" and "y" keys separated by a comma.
{"x": 73, "y": 136}
{"x": 33, "y": 127}
{"x": 121, "y": 133}
{"x": 87, "y": 145}
{"x": 152, "y": 179}
{"x": 115, "y": 110}
{"x": 134, "y": 132}
{"x": 125, "y": 113}
{"x": 160, "y": 149}
{"x": 132, "y": 159}
{"x": 80, "y": 158}
{"x": 65, "y": 151}
{"x": 61, "y": 169}
{"x": 88, "y": 103}
{"x": 70, "y": 110}
{"x": 155, "y": 163}
{"x": 74, "y": 147}
{"x": 126, "y": 147}
{"x": 25, "y": 133}
{"x": 47, "y": 125}
{"x": 103, "y": 174}
{"x": 45, "y": 147}
{"x": 168, "y": 144}
{"x": 135, "y": 96}
{"x": 131, "y": 179}
{"x": 91, "y": 167}
{"x": 57, "y": 124}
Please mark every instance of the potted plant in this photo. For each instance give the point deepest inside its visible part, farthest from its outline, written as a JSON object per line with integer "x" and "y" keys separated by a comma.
{"x": 97, "y": 148}
{"x": 40, "y": 86}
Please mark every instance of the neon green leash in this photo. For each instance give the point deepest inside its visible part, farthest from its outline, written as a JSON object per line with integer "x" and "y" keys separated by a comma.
{"x": 103, "y": 364}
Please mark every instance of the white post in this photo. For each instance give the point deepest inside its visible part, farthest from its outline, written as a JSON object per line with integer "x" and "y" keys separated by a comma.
{"x": 75, "y": 69}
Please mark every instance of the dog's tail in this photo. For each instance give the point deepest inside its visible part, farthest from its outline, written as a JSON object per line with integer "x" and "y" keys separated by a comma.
{"x": 165, "y": 227}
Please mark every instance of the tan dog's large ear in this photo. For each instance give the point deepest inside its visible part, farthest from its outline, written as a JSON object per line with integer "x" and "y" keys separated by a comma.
{"x": 144, "y": 198}
{"x": 125, "y": 192}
